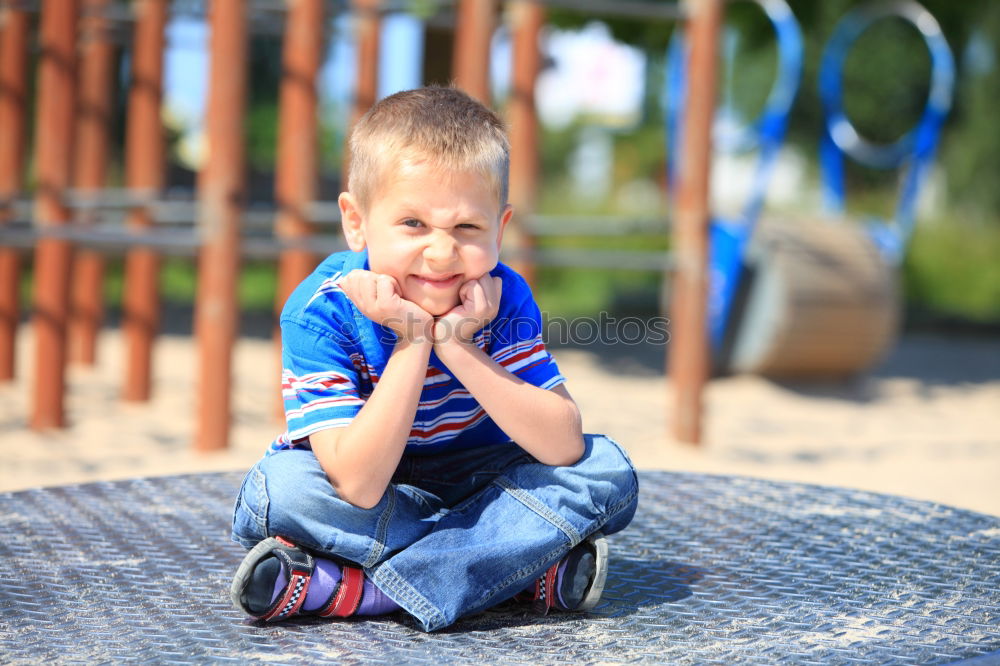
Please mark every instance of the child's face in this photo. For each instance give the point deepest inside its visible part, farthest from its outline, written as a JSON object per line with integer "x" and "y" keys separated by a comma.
{"x": 431, "y": 230}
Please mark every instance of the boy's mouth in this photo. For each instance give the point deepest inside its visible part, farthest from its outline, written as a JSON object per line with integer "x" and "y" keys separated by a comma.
{"x": 438, "y": 281}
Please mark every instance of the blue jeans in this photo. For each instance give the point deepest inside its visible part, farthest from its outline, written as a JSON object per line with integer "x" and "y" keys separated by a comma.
{"x": 454, "y": 533}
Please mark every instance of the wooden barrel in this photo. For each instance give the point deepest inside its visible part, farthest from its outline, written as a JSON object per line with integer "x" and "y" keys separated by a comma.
{"x": 818, "y": 301}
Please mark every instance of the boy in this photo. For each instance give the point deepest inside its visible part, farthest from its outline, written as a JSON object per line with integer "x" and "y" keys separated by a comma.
{"x": 434, "y": 461}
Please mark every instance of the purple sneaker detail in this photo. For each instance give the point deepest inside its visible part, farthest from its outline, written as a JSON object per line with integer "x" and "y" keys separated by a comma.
{"x": 324, "y": 581}
{"x": 560, "y": 573}
{"x": 325, "y": 578}
{"x": 374, "y": 601}
{"x": 280, "y": 581}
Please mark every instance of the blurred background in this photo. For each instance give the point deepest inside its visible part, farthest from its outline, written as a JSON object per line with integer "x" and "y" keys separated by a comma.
{"x": 599, "y": 220}
{"x": 601, "y": 110}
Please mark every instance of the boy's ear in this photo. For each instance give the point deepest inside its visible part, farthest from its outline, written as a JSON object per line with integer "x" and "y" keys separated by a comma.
{"x": 352, "y": 221}
{"x": 505, "y": 215}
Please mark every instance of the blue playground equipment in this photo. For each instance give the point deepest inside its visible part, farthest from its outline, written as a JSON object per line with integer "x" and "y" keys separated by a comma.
{"x": 801, "y": 297}
{"x": 729, "y": 237}
{"x": 915, "y": 149}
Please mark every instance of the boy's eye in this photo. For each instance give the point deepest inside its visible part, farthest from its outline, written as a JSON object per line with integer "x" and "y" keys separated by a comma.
{"x": 413, "y": 223}
{"x": 468, "y": 225}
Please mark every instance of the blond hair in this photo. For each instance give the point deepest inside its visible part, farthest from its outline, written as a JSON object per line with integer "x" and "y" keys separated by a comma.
{"x": 442, "y": 126}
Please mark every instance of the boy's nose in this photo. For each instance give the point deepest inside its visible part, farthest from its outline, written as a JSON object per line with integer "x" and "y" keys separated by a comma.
{"x": 440, "y": 250}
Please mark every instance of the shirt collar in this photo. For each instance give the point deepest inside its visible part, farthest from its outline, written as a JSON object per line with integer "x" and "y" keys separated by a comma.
{"x": 356, "y": 260}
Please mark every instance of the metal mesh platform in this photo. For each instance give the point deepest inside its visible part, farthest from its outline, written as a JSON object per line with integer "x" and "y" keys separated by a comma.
{"x": 714, "y": 569}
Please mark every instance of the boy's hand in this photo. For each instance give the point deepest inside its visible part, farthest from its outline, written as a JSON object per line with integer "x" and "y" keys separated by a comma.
{"x": 478, "y": 306}
{"x": 378, "y": 297}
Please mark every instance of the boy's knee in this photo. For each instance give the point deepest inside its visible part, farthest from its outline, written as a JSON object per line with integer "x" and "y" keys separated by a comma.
{"x": 287, "y": 473}
{"x": 249, "y": 524}
{"x": 606, "y": 475}
{"x": 300, "y": 496}
{"x": 281, "y": 494}
{"x": 607, "y": 461}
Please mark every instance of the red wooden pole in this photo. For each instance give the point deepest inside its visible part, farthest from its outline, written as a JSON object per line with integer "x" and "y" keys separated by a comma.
{"x": 367, "y": 28}
{"x": 53, "y": 256}
{"x": 527, "y": 18}
{"x": 93, "y": 128}
{"x": 13, "y": 108}
{"x": 221, "y": 193}
{"x": 689, "y": 359}
{"x": 144, "y": 172}
{"x": 295, "y": 179}
{"x": 474, "y": 26}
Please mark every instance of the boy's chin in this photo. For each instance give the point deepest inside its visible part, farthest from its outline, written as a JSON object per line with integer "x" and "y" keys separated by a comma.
{"x": 436, "y": 307}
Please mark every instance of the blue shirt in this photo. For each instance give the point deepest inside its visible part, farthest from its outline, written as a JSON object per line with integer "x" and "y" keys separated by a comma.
{"x": 333, "y": 356}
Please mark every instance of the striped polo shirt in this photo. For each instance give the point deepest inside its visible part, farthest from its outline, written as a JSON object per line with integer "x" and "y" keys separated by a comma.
{"x": 333, "y": 356}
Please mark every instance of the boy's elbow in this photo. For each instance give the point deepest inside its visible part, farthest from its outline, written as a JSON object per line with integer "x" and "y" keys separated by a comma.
{"x": 572, "y": 447}
{"x": 363, "y": 501}
{"x": 572, "y": 450}
{"x": 355, "y": 489}
{"x": 358, "y": 496}
{"x": 573, "y": 453}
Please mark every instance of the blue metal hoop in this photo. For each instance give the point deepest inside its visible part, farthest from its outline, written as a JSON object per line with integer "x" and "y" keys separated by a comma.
{"x": 728, "y": 238}
{"x": 769, "y": 127}
{"x": 916, "y": 147}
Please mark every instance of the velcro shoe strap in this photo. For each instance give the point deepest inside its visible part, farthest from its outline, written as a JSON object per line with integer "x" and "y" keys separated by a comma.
{"x": 300, "y": 565}
{"x": 348, "y": 596}
{"x": 545, "y": 590}
{"x": 291, "y": 601}
{"x": 293, "y": 556}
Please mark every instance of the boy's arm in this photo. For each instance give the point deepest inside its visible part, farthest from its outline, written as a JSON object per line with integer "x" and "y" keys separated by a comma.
{"x": 359, "y": 459}
{"x": 544, "y": 422}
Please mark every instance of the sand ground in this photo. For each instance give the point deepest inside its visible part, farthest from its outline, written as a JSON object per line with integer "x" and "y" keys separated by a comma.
{"x": 924, "y": 424}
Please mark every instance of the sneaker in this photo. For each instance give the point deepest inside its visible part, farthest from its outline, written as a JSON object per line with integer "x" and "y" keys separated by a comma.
{"x": 278, "y": 580}
{"x": 574, "y": 583}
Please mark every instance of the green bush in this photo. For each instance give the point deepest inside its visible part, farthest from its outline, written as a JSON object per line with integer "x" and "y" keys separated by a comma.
{"x": 952, "y": 270}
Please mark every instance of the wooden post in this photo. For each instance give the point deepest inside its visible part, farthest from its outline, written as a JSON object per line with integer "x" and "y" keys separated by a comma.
{"x": 221, "y": 185}
{"x": 689, "y": 357}
{"x": 144, "y": 173}
{"x": 53, "y": 255}
{"x": 13, "y": 109}
{"x": 474, "y": 26}
{"x": 367, "y": 26}
{"x": 93, "y": 128}
{"x": 295, "y": 177}
{"x": 527, "y": 18}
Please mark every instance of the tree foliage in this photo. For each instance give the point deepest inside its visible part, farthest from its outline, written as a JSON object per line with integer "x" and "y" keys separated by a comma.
{"x": 886, "y": 80}
{"x": 972, "y": 153}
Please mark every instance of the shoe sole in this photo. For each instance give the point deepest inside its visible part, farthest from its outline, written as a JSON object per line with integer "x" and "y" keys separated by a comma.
{"x": 599, "y": 543}
{"x": 245, "y": 570}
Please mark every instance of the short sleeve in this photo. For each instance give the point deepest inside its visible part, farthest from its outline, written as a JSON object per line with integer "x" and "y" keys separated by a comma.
{"x": 516, "y": 341}
{"x": 319, "y": 383}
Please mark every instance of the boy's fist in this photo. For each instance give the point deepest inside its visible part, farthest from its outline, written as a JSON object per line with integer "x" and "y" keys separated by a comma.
{"x": 378, "y": 297}
{"x": 479, "y": 302}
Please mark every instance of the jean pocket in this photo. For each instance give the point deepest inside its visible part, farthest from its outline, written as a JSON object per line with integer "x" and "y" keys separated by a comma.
{"x": 250, "y": 512}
